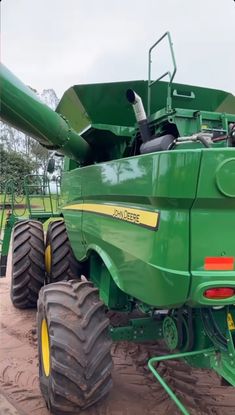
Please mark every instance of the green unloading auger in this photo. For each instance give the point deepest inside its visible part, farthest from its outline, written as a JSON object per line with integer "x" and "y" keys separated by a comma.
{"x": 21, "y": 108}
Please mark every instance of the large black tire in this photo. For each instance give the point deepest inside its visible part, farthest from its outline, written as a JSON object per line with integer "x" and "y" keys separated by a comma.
{"x": 75, "y": 362}
{"x": 61, "y": 264}
{"x": 28, "y": 268}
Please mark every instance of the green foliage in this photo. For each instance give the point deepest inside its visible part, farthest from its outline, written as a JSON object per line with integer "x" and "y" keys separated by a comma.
{"x": 14, "y": 166}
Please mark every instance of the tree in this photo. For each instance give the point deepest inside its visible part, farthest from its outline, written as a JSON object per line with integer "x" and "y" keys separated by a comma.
{"x": 14, "y": 166}
{"x": 40, "y": 155}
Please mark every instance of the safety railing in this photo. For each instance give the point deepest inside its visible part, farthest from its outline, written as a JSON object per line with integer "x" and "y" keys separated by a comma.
{"x": 171, "y": 75}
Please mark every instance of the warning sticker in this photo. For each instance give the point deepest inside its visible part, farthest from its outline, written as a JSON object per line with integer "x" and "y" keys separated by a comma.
{"x": 230, "y": 322}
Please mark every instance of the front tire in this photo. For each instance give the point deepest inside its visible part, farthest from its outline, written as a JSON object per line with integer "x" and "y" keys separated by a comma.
{"x": 28, "y": 269}
{"x": 74, "y": 347}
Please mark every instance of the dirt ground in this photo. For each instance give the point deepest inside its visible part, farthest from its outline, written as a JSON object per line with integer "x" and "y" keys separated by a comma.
{"x": 135, "y": 392}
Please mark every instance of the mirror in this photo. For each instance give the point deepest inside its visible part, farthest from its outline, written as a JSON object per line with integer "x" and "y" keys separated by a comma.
{"x": 51, "y": 165}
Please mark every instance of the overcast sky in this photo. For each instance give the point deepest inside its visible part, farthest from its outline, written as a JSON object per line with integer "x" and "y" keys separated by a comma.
{"x": 58, "y": 43}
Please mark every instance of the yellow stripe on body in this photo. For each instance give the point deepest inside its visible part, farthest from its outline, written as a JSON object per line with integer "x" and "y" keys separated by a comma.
{"x": 137, "y": 216}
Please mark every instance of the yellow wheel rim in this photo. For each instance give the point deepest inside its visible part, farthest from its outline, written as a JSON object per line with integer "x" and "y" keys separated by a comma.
{"x": 48, "y": 259}
{"x": 45, "y": 348}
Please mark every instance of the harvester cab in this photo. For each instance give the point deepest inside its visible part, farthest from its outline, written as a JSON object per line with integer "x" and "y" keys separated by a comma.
{"x": 146, "y": 213}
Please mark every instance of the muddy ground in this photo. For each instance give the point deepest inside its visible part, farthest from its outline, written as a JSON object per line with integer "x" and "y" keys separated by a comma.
{"x": 135, "y": 392}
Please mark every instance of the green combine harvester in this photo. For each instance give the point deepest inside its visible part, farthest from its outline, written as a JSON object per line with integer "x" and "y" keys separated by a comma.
{"x": 146, "y": 223}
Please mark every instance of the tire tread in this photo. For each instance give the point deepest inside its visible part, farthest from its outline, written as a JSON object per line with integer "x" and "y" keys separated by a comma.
{"x": 28, "y": 269}
{"x": 64, "y": 265}
{"x": 81, "y": 359}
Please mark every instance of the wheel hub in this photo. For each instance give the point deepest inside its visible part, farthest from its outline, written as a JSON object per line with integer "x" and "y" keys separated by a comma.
{"x": 48, "y": 259}
{"x": 45, "y": 348}
{"x": 170, "y": 332}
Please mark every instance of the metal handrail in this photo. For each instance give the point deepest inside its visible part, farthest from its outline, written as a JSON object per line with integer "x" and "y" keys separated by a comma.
{"x": 43, "y": 184}
{"x": 171, "y": 76}
{"x": 162, "y": 382}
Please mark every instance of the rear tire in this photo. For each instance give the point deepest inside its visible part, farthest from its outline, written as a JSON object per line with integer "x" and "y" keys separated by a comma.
{"x": 75, "y": 369}
{"x": 61, "y": 264}
{"x": 28, "y": 269}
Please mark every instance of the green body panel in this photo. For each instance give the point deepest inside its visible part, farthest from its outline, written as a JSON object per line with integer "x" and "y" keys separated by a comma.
{"x": 151, "y": 265}
{"x": 163, "y": 267}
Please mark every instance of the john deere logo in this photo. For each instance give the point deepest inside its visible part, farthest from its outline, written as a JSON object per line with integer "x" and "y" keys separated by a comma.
{"x": 146, "y": 218}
